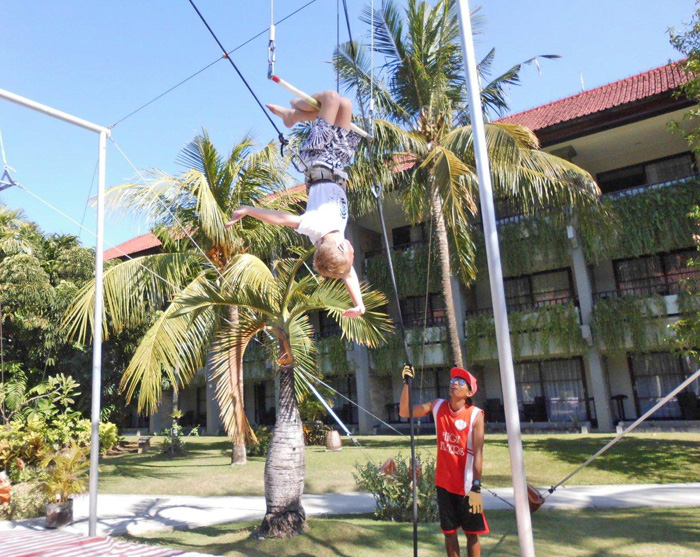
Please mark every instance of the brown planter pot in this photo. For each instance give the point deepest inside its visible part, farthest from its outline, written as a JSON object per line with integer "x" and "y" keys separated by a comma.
{"x": 59, "y": 514}
{"x": 333, "y": 442}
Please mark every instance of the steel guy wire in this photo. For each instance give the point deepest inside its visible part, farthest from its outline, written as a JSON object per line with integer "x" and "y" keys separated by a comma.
{"x": 208, "y": 66}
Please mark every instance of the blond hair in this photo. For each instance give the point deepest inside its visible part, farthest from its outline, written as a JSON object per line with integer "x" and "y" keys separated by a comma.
{"x": 330, "y": 262}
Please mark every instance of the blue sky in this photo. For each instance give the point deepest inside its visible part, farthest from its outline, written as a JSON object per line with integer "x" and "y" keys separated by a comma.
{"x": 101, "y": 60}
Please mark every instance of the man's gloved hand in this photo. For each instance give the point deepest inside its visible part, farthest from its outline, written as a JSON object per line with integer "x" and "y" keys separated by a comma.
{"x": 476, "y": 503}
{"x": 407, "y": 373}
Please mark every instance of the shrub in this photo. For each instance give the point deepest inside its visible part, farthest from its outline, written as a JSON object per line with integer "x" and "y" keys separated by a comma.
{"x": 315, "y": 433}
{"x": 28, "y": 500}
{"x": 392, "y": 491}
{"x": 109, "y": 437}
{"x": 174, "y": 438}
{"x": 264, "y": 435}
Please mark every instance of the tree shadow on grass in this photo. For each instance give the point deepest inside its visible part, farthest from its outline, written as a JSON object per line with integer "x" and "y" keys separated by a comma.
{"x": 642, "y": 460}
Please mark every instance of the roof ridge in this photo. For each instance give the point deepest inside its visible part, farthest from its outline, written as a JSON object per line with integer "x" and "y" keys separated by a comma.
{"x": 670, "y": 65}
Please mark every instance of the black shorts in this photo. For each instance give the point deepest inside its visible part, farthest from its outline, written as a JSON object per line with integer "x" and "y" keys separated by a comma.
{"x": 454, "y": 514}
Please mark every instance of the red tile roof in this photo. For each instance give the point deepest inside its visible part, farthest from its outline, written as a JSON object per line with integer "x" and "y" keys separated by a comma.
{"x": 634, "y": 88}
{"x": 133, "y": 246}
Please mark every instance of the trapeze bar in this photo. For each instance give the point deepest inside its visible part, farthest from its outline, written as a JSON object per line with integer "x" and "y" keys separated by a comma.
{"x": 313, "y": 102}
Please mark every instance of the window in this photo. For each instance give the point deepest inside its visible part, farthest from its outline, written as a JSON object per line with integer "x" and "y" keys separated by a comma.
{"x": 552, "y": 390}
{"x": 407, "y": 235}
{"x": 538, "y": 290}
{"x": 652, "y": 172}
{"x": 654, "y": 274}
{"x": 345, "y": 410}
{"x": 654, "y": 375}
{"x": 328, "y": 327}
{"x": 413, "y": 310}
{"x": 202, "y": 406}
{"x": 264, "y": 393}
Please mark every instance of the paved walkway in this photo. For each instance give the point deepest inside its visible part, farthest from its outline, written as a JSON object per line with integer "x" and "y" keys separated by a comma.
{"x": 139, "y": 513}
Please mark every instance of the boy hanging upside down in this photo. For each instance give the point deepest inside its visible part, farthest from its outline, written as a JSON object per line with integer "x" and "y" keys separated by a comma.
{"x": 326, "y": 152}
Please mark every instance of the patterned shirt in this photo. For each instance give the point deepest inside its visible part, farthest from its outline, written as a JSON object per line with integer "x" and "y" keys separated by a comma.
{"x": 329, "y": 146}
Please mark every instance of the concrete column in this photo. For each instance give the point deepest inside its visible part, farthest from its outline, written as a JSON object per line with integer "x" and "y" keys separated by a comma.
{"x": 214, "y": 424}
{"x": 359, "y": 356}
{"x": 593, "y": 359}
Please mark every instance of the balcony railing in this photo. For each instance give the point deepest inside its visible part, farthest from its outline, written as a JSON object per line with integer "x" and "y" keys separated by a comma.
{"x": 650, "y": 286}
{"x": 530, "y": 302}
{"x": 437, "y": 319}
{"x": 648, "y": 187}
{"x": 400, "y": 247}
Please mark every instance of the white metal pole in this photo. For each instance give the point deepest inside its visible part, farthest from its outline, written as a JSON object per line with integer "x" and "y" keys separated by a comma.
{"x": 493, "y": 254}
{"x": 97, "y": 339}
{"x": 99, "y": 260}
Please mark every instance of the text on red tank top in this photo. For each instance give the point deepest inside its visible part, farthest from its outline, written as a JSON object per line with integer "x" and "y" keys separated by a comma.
{"x": 455, "y": 454}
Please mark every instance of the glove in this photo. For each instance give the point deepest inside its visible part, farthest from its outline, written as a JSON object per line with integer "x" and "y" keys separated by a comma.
{"x": 476, "y": 503}
{"x": 407, "y": 373}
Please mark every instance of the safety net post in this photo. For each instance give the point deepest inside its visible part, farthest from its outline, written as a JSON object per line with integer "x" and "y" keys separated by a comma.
{"x": 505, "y": 354}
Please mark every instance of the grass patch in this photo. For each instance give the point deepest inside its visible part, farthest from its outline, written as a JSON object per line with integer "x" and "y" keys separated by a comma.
{"x": 206, "y": 470}
{"x": 619, "y": 532}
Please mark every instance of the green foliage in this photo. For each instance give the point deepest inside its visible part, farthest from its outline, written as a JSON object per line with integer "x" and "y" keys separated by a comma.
{"x": 532, "y": 244}
{"x": 392, "y": 493}
{"x": 315, "y": 433}
{"x": 389, "y": 358}
{"x": 66, "y": 473}
{"x": 639, "y": 319}
{"x": 311, "y": 409}
{"x": 174, "y": 438}
{"x": 688, "y": 44}
{"x": 39, "y": 420}
{"x": 650, "y": 221}
{"x": 332, "y": 356}
{"x": 411, "y": 267}
{"x": 687, "y": 328}
{"x": 264, "y": 436}
{"x": 28, "y": 500}
{"x": 558, "y": 323}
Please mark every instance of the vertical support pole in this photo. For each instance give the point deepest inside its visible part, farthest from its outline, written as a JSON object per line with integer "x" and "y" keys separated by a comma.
{"x": 97, "y": 339}
{"x": 505, "y": 355}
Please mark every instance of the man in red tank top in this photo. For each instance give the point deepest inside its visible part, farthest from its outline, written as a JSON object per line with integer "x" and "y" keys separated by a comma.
{"x": 459, "y": 426}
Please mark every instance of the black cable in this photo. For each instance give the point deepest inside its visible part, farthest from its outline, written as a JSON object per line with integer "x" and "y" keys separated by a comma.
{"x": 377, "y": 192}
{"x": 280, "y": 135}
{"x": 251, "y": 39}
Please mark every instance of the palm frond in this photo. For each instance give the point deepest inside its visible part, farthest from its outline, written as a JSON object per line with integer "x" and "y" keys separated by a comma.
{"x": 175, "y": 347}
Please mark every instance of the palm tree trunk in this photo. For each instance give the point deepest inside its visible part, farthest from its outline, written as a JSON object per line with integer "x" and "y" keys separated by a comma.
{"x": 443, "y": 249}
{"x": 285, "y": 468}
{"x": 239, "y": 455}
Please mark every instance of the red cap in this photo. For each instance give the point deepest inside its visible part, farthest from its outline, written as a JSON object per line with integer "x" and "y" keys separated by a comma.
{"x": 464, "y": 374}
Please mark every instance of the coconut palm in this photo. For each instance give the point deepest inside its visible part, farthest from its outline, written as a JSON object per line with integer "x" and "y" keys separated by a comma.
{"x": 276, "y": 304}
{"x": 423, "y": 147}
{"x": 190, "y": 208}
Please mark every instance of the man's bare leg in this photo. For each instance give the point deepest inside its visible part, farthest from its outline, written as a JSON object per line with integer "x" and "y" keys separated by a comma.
{"x": 452, "y": 544}
{"x": 473, "y": 546}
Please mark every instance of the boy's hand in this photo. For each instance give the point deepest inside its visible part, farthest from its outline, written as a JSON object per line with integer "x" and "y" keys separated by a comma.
{"x": 354, "y": 312}
{"x": 237, "y": 215}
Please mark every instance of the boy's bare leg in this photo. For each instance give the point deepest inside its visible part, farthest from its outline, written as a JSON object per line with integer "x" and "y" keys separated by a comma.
{"x": 473, "y": 546}
{"x": 452, "y": 544}
{"x": 303, "y": 112}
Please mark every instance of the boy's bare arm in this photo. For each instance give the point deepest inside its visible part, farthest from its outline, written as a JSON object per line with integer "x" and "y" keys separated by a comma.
{"x": 352, "y": 283}
{"x": 269, "y": 216}
{"x": 478, "y": 439}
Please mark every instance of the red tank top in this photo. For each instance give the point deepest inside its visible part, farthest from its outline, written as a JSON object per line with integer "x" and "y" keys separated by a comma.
{"x": 455, "y": 446}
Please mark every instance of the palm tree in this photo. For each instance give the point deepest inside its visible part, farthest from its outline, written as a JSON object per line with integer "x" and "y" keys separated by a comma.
{"x": 420, "y": 97}
{"x": 191, "y": 207}
{"x": 276, "y": 304}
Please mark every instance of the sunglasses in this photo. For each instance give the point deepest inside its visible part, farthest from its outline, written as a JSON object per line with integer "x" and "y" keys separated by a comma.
{"x": 459, "y": 380}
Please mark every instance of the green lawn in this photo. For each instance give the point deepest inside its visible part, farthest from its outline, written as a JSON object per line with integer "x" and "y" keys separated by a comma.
{"x": 617, "y": 532}
{"x": 640, "y": 458}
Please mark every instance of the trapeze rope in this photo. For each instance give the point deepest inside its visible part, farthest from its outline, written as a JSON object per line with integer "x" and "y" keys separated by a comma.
{"x": 377, "y": 192}
{"x": 251, "y": 39}
{"x": 280, "y": 135}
